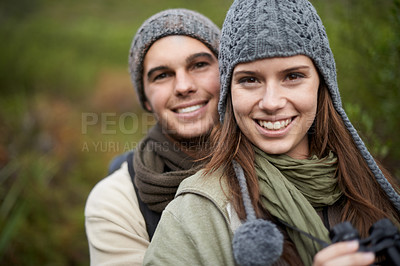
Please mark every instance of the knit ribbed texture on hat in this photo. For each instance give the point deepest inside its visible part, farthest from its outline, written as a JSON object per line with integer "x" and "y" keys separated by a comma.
{"x": 165, "y": 23}
{"x": 257, "y": 29}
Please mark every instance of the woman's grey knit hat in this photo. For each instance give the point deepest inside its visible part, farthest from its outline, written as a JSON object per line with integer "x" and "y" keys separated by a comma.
{"x": 257, "y": 29}
{"x": 165, "y": 23}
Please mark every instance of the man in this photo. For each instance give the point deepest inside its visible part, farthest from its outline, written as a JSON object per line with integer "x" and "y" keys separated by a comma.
{"x": 174, "y": 68}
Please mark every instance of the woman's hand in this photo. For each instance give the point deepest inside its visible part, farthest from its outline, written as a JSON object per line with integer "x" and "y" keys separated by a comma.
{"x": 343, "y": 253}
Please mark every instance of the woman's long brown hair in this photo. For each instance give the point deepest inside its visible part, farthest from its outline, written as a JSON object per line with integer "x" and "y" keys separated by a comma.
{"x": 364, "y": 202}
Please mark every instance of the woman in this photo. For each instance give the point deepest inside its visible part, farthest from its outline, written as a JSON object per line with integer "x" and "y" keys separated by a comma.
{"x": 285, "y": 153}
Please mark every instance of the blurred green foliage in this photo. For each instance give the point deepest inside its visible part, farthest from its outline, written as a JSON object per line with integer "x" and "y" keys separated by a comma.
{"x": 365, "y": 40}
{"x": 63, "y": 62}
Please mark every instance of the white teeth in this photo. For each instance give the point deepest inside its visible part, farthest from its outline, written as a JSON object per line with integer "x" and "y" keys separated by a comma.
{"x": 274, "y": 125}
{"x": 189, "y": 109}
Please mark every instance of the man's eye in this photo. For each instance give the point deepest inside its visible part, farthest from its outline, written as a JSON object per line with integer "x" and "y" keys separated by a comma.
{"x": 160, "y": 76}
{"x": 200, "y": 64}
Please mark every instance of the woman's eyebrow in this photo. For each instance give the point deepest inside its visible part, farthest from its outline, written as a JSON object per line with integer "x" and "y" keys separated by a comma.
{"x": 243, "y": 72}
{"x": 295, "y": 68}
{"x": 248, "y": 72}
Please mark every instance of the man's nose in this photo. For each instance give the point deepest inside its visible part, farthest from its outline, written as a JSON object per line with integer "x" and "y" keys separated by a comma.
{"x": 184, "y": 83}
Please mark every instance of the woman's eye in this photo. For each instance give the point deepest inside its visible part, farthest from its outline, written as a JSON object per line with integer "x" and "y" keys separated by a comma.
{"x": 294, "y": 76}
{"x": 247, "y": 80}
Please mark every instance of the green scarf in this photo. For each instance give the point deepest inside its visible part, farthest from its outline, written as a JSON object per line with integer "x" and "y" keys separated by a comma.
{"x": 290, "y": 190}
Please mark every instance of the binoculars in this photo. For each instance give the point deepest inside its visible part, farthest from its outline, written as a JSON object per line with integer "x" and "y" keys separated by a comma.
{"x": 383, "y": 240}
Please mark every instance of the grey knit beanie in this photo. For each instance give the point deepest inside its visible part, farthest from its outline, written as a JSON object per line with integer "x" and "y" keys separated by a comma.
{"x": 165, "y": 23}
{"x": 258, "y": 29}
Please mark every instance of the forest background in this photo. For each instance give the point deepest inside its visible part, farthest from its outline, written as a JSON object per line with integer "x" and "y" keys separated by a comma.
{"x": 67, "y": 105}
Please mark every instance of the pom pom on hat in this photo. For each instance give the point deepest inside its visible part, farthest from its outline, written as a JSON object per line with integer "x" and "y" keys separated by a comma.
{"x": 257, "y": 241}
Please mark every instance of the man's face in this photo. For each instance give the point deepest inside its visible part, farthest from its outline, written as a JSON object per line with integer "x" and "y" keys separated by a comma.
{"x": 181, "y": 84}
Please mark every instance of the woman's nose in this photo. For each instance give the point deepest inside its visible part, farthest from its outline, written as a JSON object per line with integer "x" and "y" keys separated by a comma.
{"x": 273, "y": 98}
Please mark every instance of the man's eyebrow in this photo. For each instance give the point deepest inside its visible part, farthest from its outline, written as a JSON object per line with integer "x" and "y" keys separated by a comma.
{"x": 188, "y": 61}
{"x": 154, "y": 69}
{"x": 194, "y": 56}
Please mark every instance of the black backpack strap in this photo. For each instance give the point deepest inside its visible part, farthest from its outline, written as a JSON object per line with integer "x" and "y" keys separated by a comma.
{"x": 151, "y": 217}
{"x": 117, "y": 161}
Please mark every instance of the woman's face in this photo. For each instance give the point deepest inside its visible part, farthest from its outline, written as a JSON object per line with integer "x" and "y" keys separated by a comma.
{"x": 275, "y": 102}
